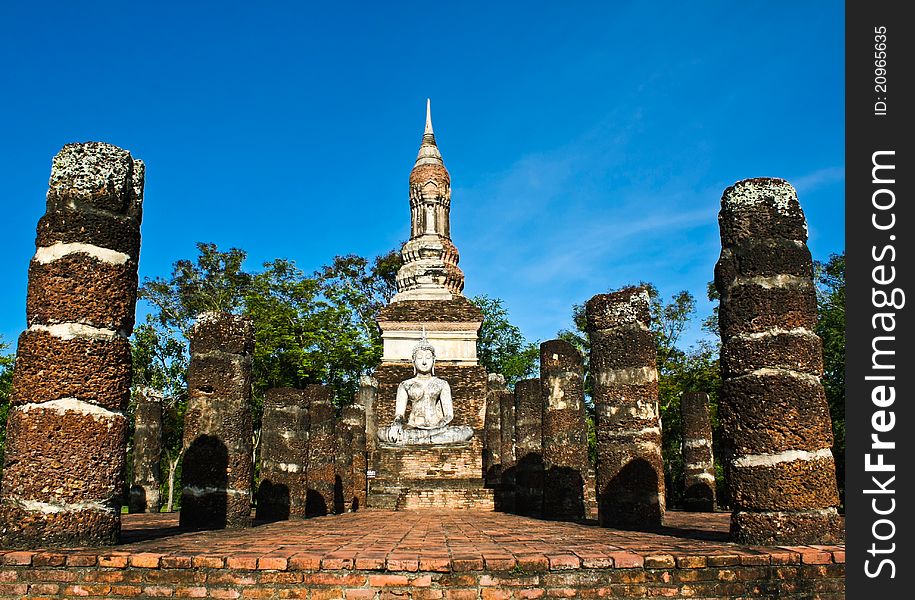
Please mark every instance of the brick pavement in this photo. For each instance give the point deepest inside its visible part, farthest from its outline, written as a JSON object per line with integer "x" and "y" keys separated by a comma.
{"x": 425, "y": 554}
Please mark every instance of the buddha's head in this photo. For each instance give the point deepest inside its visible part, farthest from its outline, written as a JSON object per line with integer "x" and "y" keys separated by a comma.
{"x": 424, "y": 356}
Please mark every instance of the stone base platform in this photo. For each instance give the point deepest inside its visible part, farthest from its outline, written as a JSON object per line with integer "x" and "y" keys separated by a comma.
{"x": 378, "y": 554}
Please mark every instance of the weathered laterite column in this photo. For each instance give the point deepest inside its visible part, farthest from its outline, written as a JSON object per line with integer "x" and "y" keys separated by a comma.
{"x": 343, "y": 468}
{"x": 492, "y": 432}
{"x": 773, "y": 410}
{"x": 66, "y": 443}
{"x": 565, "y": 432}
{"x": 284, "y": 452}
{"x": 147, "y": 452}
{"x": 352, "y": 417}
{"x": 321, "y": 451}
{"x": 528, "y": 448}
{"x": 630, "y": 472}
{"x": 698, "y": 461}
{"x": 216, "y": 469}
{"x": 505, "y": 494}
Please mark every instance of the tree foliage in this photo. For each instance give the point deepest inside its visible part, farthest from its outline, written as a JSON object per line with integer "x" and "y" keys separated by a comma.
{"x": 7, "y": 361}
{"x": 501, "y": 346}
{"x": 830, "y": 277}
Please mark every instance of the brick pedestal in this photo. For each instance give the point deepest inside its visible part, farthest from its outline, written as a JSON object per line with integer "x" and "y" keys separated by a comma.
{"x": 773, "y": 409}
{"x": 65, "y": 454}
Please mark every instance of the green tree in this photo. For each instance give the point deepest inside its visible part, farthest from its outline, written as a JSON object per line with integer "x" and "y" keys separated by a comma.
{"x": 501, "y": 347}
{"x": 7, "y": 361}
{"x": 830, "y": 277}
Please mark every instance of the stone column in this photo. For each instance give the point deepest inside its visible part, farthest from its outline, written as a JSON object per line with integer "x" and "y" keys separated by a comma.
{"x": 284, "y": 452}
{"x": 565, "y": 432}
{"x": 343, "y": 469}
{"x": 528, "y": 448}
{"x": 216, "y": 470}
{"x": 147, "y": 452}
{"x": 505, "y": 494}
{"x": 629, "y": 470}
{"x": 773, "y": 410}
{"x": 698, "y": 462}
{"x": 321, "y": 451}
{"x": 492, "y": 433}
{"x": 353, "y": 418}
{"x": 66, "y": 440}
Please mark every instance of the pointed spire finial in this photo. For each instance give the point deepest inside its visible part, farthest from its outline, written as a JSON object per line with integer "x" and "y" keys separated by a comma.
{"x": 428, "y": 130}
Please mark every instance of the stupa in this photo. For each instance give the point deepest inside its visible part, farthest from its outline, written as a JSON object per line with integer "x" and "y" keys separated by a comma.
{"x": 407, "y": 468}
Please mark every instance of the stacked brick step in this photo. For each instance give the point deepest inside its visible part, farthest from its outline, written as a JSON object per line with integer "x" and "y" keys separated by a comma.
{"x": 66, "y": 443}
{"x": 773, "y": 408}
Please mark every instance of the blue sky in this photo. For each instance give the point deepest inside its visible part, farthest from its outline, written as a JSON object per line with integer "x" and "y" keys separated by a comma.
{"x": 588, "y": 143}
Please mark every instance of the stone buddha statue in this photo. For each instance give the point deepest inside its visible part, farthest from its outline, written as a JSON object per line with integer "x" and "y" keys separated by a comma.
{"x": 431, "y": 407}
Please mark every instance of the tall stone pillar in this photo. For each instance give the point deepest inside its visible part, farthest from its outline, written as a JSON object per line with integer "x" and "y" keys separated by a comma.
{"x": 216, "y": 470}
{"x": 66, "y": 441}
{"x": 505, "y": 494}
{"x": 773, "y": 410}
{"x": 630, "y": 472}
{"x": 492, "y": 433}
{"x": 528, "y": 448}
{"x": 147, "y": 452}
{"x": 565, "y": 432}
{"x": 698, "y": 461}
{"x": 353, "y": 418}
{"x": 343, "y": 469}
{"x": 284, "y": 452}
{"x": 321, "y": 451}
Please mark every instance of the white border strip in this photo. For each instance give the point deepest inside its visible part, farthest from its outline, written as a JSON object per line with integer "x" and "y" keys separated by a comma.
{"x": 69, "y": 331}
{"x": 54, "y": 507}
{"x": 72, "y": 405}
{"x": 48, "y": 254}
{"x": 768, "y": 460}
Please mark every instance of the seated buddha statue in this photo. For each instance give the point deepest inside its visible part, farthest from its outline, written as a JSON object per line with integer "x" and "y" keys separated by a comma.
{"x": 431, "y": 408}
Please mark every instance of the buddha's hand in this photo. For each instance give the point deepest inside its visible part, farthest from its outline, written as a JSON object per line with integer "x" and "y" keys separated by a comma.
{"x": 396, "y": 434}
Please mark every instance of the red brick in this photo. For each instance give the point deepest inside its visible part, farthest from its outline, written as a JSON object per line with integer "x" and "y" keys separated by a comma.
{"x": 723, "y": 560}
{"x": 145, "y": 560}
{"x": 427, "y": 594}
{"x": 777, "y": 557}
{"x": 388, "y": 580}
{"x": 191, "y": 592}
{"x": 369, "y": 563}
{"x": 660, "y": 561}
{"x": 158, "y": 591}
{"x": 437, "y": 564}
{"x": 273, "y": 563}
{"x": 8, "y": 576}
{"x": 691, "y": 562}
{"x": 272, "y": 578}
{"x": 242, "y": 562}
{"x": 87, "y": 590}
{"x": 533, "y": 562}
{"x": 530, "y": 594}
{"x": 204, "y": 561}
{"x": 287, "y": 593}
{"x": 14, "y": 590}
{"x": 129, "y": 591}
{"x": 421, "y": 581}
{"x": 816, "y": 557}
{"x": 257, "y": 593}
{"x": 176, "y": 562}
{"x": 19, "y": 559}
{"x": 61, "y": 575}
{"x": 338, "y": 579}
{"x": 467, "y": 563}
{"x": 461, "y": 594}
{"x": 561, "y": 593}
{"x": 230, "y": 578}
{"x": 626, "y": 560}
{"x": 335, "y": 563}
{"x": 499, "y": 562}
{"x": 563, "y": 561}
{"x": 305, "y": 561}
{"x": 119, "y": 576}
{"x": 224, "y": 593}
{"x": 81, "y": 560}
{"x": 838, "y": 557}
{"x": 114, "y": 561}
{"x": 402, "y": 564}
{"x": 326, "y": 594}
{"x": 496, "y": 595}
{"x": 51, "y": 589}
{"x": 48, "y": 559}
{"x": 359, "y": 594}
